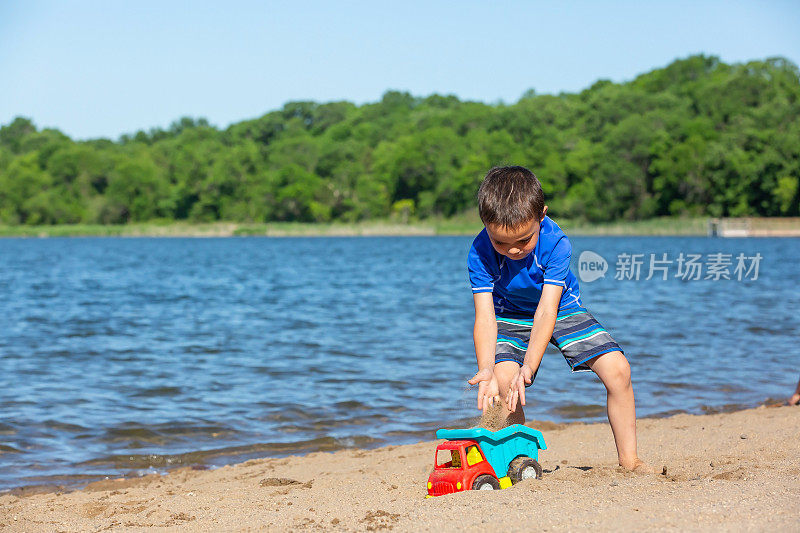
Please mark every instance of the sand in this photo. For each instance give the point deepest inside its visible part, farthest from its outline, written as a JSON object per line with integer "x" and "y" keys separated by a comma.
{"x": 724, "y": 472}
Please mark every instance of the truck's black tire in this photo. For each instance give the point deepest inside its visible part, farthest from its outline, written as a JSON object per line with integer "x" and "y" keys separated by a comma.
{"x": 485, "y": 482}
{"x": 524, "y": 467}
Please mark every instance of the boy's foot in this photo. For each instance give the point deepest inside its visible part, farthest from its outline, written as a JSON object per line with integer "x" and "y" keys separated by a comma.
{"x": 639, "y": 467}
{"x": 794, "y": 400}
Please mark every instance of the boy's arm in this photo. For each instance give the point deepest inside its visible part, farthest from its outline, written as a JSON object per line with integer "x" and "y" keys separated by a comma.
{"x": 485, "y": 338}
{"x": 544, "y": 322}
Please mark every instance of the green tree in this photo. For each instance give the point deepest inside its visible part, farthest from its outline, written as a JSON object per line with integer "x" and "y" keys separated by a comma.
{"x": 697, "y": 137}
{"x": 12, "y": 135}
{"x": 136, "y": 191}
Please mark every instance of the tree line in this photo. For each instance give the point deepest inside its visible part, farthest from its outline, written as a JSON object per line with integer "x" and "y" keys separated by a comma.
{"x": 698, "y": 137}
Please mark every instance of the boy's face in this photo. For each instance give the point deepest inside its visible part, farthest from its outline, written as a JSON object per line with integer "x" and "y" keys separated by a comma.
{"x": 515, "y": 243}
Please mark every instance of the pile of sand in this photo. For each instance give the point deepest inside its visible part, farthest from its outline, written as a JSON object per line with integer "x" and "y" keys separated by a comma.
{"x": 736, "y": 471}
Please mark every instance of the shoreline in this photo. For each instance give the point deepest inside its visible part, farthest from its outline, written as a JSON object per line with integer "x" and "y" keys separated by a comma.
{"x": 714, "y": 462}
{"x": 666, "y": 226}
{"x": 457, "y": 226}
{"x": 81, "y": 481}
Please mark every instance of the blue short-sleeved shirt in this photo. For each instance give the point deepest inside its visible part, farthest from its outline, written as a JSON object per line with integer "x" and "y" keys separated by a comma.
{"x": 516, "y": 285}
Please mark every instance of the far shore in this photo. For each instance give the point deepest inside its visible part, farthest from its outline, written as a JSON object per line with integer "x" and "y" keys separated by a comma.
{"x": 719, "y": 472}
{"x": 663, "y": 226}
{"x": 457, "y": 226}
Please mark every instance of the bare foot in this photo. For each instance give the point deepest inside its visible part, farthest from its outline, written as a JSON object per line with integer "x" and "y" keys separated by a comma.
{"x": 795, "y": 399}
{"x": 639, "y": 467}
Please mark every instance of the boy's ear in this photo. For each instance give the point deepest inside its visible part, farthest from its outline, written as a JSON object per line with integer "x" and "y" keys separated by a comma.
{"x": 544, "y": 212}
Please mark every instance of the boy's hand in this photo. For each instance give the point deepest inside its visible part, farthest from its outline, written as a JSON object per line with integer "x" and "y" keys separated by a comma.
{"x": 488, "y": 390}
{"x": 516, "y": 389}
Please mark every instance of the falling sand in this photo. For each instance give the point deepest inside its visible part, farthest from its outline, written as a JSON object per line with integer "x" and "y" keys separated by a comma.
{"x": 494, "y": 418}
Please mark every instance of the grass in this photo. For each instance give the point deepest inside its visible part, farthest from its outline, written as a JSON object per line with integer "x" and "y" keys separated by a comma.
{"x": 460, "y": 225}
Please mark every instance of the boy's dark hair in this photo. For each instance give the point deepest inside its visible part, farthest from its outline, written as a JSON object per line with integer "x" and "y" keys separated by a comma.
{"x": 510, "y": 196}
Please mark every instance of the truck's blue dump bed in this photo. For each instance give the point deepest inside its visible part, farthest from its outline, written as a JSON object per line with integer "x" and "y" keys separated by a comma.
{"x": 502, "y": 446}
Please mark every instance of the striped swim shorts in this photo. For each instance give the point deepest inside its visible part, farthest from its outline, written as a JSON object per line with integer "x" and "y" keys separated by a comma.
{"x": 577, "y": 334}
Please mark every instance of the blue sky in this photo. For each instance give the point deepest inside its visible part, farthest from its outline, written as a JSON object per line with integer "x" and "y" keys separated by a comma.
{"x": 100, "y": 68}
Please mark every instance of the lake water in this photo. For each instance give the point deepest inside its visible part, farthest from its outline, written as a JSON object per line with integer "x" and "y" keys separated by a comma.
{"x": 123, "y": 356}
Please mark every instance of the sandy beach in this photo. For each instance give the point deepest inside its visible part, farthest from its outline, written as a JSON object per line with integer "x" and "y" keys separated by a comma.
{"x": 724, "y": 472}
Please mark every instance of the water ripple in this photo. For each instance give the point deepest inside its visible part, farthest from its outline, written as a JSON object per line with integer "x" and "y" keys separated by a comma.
{"x": 120, "y": 356}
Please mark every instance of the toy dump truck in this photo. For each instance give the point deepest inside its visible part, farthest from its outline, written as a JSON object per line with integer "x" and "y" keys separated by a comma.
{"x": 479, "y": 459}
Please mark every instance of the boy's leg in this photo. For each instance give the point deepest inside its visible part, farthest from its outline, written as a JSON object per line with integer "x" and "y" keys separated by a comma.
{"x": 614, "y": 371}
{"x": 795, "y": 399}
{"x": 504, "y": 371}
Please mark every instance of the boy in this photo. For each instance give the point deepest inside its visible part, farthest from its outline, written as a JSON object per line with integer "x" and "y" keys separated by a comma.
{"x": 526, "y": 296}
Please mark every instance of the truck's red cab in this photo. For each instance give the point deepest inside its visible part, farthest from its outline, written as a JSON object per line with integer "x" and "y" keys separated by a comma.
{"x": 456, "y": 465}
